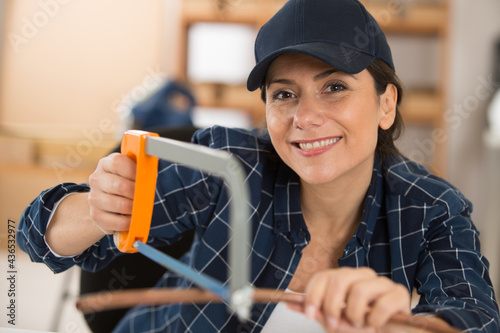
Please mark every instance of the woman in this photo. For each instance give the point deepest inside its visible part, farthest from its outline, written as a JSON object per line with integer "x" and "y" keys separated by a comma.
{"x": 337, "y": 212}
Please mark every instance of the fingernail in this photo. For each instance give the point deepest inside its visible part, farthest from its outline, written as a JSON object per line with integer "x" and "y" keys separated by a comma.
{"x": 333, "y": 323}
{"x": 311, "y": 312}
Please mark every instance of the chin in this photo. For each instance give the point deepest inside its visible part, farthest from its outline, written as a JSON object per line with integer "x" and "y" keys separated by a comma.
{"x": 317, "y": 178}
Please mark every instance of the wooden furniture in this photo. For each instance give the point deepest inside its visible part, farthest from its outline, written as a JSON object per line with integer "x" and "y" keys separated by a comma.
{"x": 425, "y": 106}
{"x": 250, "y": 12}
{"x": 411, "y": 18}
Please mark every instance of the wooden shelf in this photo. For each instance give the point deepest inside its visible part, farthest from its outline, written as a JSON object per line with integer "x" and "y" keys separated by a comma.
{"x": 422, "y": 107}
{"x": 255, "y": 12}
{"x": 203, "y": 11}
{"x": 231, "y": 97}
{"x": 76, "y": 152}
{"x": 415, "y": 18}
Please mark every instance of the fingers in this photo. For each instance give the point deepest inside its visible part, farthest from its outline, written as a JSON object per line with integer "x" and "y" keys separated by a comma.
{"x": 357, "y": 296}
{"x": 393, "y": 301}
{"x": 111, "y": 193}
{"x": 118, "y": 164}
{"x": 295, "y": 307}
{"x": 315, "y": 295}
{"x": 373, "y": 302}
{"x": 328, "y": 292}
{"x": 353, "y": 295}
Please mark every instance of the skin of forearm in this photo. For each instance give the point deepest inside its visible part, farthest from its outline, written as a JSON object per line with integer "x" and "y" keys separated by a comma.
{"x": 71, "y": 231}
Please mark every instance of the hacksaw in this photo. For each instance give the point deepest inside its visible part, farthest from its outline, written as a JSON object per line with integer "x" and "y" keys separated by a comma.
{"x": 145, "y": 148}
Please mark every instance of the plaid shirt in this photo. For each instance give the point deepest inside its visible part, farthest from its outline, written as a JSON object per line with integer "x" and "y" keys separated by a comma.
{"x": 415, "y": 229}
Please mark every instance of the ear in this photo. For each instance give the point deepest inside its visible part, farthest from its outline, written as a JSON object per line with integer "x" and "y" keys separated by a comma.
{"x": 388, "y": 102}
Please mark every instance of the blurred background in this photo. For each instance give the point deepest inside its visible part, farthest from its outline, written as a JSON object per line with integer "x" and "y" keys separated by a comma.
{"x": 75, "y": 74}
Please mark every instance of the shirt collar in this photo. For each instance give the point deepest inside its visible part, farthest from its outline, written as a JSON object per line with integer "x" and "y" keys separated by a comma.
{"x": 373, "y": 202}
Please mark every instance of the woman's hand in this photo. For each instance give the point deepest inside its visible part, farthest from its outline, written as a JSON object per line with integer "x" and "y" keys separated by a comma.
{"x": 82, "y": 219}
{"x": 354, "y": 300}
{"x": 111, "y": 193}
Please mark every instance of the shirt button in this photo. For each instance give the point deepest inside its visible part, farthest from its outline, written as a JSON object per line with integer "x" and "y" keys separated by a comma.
{"x": 302, "y": 234}
{"x": 279, "y": 224}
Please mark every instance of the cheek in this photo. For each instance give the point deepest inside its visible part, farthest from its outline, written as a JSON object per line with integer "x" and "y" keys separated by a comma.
{"x": 273, "y": 125}
{"x": 358, "y": 117}
{"x": 276, "y": 120}
{"x": 363, "y": 123}
{"x": 277, "y": 126}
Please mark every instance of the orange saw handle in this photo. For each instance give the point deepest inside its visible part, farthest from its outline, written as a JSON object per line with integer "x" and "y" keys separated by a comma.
{"x": 134, "y": 146}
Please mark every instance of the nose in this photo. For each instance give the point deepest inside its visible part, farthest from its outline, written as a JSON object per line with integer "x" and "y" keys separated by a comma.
{"x": 309, "y": 113}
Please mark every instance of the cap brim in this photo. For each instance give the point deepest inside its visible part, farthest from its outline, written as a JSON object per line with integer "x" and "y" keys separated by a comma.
{"x": 342, "y": 58}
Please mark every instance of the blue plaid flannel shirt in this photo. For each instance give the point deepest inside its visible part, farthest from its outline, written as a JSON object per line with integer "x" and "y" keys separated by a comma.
{"x": 415, "y": 229}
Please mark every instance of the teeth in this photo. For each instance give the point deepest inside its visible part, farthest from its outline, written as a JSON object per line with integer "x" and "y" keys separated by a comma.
{"x": 318, "y": 144}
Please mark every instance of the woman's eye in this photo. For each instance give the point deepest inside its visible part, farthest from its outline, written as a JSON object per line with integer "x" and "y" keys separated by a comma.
{"x": 336, "y": 87}
{"x": 281, "y": 95}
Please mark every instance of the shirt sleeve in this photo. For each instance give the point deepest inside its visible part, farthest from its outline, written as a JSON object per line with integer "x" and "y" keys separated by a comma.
{"x": 48, "y": 224}
{"x": 33, "y": 225}
{"x": 453, "y": 276}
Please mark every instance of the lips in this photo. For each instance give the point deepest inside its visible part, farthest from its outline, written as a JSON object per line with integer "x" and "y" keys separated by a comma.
{"x": 311, "y": 145}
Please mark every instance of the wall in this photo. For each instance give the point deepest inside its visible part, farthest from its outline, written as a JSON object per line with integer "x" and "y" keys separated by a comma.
{"x": 66, "y": 64}
{"x": 475, "y": 29}
{"x": 65, "y": 67}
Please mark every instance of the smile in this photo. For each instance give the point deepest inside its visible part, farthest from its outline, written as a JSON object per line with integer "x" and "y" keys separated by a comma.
{"x": 318, "y": 144}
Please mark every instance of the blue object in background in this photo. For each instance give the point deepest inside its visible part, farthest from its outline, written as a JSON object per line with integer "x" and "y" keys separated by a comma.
{"x": 171, "y": 106}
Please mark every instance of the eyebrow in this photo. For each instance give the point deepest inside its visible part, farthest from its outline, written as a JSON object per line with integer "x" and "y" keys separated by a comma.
{"x": 317, "y": 77}
{"x": 325, "y": 74}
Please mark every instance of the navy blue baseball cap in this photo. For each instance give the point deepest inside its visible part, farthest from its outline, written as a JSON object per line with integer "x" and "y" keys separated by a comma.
{"x": 340, "y": 33}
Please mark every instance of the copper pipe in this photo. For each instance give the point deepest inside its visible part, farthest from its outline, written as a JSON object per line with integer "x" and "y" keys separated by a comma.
{"x": 125, "y": 299}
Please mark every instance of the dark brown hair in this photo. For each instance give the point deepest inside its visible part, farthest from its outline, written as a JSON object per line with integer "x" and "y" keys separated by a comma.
{"x": 382, "y": 75}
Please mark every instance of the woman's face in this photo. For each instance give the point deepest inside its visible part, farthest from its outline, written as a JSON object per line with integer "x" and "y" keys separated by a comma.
{"x": 323, "y": 123}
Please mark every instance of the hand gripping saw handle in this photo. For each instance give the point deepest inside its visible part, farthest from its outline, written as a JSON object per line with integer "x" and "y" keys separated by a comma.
{"x": 145, "y": 148}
